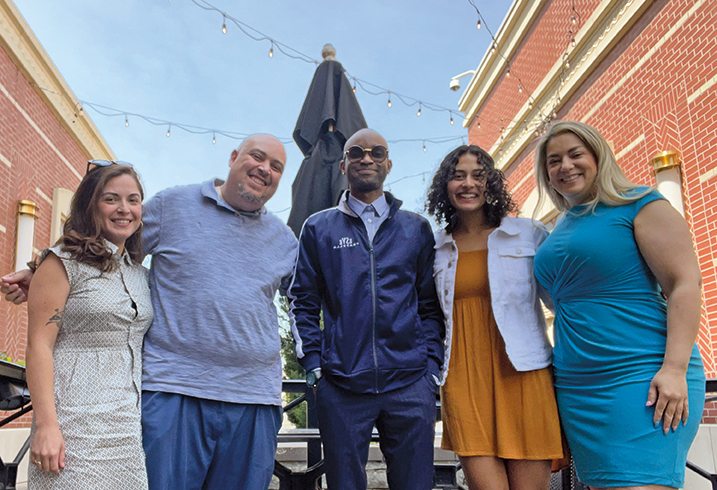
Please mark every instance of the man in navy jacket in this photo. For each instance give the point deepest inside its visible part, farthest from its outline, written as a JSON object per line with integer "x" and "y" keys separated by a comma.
{"x": 367, "y": 266}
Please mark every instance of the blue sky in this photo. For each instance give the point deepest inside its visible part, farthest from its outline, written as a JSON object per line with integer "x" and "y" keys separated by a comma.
{"x": 169, "y": 60}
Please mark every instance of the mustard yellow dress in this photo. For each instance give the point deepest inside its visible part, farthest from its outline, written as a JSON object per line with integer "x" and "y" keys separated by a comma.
{"x": 489, "y": 408}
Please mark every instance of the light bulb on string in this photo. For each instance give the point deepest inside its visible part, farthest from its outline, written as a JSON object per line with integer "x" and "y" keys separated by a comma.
{"x": 567, "y": 64}
{"x": 354, "y": 87}
{"x": 520, "y": 88}
{"x": 82, "y": 111}
{"x": 530, "y": 103}
{"x": 573, "y": 19}
{"x": 224, "y": 24}
{"x": 418, "y": 114}
{"x": 169, "y": 131}
{"x": 478, "y": 25}
{"x": 126, "y": 119}
{"x": 424, "y": 146}
{"x": 507, "y": 73}
{"x": 492, "y": 48}
{"x": 214, "y": 138}
{"x": 271, "y": 51}
{"x": 478, "y": 125}
{"x": 389, "y": 99}
{"x": 572, "y": 42}
{"x": 452, "y": 123}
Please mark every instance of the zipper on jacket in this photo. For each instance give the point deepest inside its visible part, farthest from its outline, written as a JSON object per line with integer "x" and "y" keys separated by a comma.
{"x": 373, "y": 302}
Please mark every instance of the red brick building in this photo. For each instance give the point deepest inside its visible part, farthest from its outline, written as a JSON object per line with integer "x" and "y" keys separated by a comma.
{"x": 45, "y": 142}
{"x": 643, "y": 72}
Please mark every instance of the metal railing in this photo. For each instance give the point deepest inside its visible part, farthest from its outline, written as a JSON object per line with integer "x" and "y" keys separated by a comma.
{"x": 13, "y": 397}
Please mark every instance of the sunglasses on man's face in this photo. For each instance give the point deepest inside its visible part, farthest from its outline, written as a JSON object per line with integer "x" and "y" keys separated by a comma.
{"x": 93, "y": 164}
{"x": 356, "y": 153}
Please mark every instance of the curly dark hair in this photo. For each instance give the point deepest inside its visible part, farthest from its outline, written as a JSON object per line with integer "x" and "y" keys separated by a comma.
{"x": 498, "y": 202}
{"x": 82, "y": 233}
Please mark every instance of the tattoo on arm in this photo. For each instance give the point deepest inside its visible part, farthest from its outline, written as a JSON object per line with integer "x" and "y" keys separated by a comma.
{"x": 56, "y": 318}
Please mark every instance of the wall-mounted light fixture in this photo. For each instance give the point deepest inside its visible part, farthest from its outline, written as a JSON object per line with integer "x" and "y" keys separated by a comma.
{"x": 666, "y": 167}
{"x": 26, "y": 216}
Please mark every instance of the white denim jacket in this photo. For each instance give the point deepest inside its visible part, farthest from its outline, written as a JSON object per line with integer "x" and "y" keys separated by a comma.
{"x": 514, "y": 291}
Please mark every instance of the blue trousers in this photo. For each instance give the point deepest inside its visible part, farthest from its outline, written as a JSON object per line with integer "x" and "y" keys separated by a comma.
{"x": 195, "y": 444}
{"x": 405, "y": 419}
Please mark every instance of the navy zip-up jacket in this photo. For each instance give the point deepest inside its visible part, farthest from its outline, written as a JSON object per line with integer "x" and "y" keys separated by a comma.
{"x": 382, "y": 322}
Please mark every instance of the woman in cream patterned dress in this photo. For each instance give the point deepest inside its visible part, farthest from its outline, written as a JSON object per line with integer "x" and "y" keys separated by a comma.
{"x": 88, "y": 311}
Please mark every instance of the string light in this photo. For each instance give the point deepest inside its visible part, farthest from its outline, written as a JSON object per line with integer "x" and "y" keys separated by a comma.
{"x": 478, "y": 25}
{"x": 82, "y": 111}
{"x": 574, "y": 20}
{"x": 452, "y": 123}
{"x": 354, "y": 87}
{"x": 424, "y": 146}
{"x": 295, "y": 54}
{"x": 112, "y": 112}
{"x": 126, "y": 119}
{"x": 214, "y": 139}
{"x": 271, "y": 51}
{"x": 418, "y": 114}
{"x": 389, "y": 99}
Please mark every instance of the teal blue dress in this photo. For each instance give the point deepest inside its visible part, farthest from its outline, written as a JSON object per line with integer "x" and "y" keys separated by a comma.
{"x": 610, "y": 336}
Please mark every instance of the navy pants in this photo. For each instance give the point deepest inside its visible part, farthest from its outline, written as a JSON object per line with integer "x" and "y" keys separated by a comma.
{"x": 195, "y": 444}
{"x": 405, "y": 419}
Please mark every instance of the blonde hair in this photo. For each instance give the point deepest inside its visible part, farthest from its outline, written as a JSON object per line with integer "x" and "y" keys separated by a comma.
{"x": 611, "y": 186}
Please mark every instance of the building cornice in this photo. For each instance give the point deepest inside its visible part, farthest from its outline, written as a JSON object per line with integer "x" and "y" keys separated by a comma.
{"x": 605, "y": 27}
{"x": 20, "y": 43}
{"x": 609, "y": 22}
{"x": 517, "y": 23}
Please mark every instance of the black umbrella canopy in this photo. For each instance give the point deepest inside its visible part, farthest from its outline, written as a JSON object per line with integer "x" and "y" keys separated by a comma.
{"x": 330, "y": 115}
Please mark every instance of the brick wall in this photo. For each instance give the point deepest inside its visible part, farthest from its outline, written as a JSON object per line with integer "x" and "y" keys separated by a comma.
{"x": 665, "y": 99}
{"x": 35, "y": 169}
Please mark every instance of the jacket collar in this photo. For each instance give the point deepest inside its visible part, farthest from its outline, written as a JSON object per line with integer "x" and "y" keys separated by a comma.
{"x": 393, "y": 204}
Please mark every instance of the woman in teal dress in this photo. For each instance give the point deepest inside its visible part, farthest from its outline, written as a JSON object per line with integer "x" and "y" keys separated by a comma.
{"x": 625, "y": 283}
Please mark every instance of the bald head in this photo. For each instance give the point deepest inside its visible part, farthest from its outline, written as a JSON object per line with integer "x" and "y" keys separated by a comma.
{"x": 365, "y": 135}
{"x": 256, "y": 167}
{"x": 366, "y": 176}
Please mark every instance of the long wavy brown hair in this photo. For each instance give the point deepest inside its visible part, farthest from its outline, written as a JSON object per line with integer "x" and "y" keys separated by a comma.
{"x": 82, "y": 236}
{"x": 498, "y": 202}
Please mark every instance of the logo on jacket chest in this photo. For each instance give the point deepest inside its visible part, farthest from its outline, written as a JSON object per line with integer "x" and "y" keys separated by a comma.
{"x": 345, "y": 242}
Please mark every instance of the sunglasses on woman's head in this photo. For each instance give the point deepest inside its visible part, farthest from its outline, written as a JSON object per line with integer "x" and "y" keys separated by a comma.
{"x": 93, "y": 164}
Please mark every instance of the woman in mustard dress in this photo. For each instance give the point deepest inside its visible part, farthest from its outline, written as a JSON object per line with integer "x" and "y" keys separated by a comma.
{"x": 498, "y": 404}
